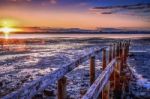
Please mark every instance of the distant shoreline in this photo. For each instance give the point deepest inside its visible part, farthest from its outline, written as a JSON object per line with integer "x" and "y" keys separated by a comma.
{"x": 43, "y": 36}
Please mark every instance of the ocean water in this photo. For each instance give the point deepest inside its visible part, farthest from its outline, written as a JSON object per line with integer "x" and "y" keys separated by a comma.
{"x": 25, "y": 36}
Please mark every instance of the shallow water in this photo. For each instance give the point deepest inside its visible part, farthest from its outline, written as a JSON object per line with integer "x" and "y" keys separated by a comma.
{"x": 22, "y": 61}
{"x": 25, "y": 36}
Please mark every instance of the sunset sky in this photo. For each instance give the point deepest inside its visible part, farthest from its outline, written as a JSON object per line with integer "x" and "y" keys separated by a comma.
{"x": 86, "y": 14}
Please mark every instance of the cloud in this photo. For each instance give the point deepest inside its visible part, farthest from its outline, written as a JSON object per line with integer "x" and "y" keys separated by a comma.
{"x": 19, "y": 0}
{"x": 141, "y": 9}
{"x": 53, "y": 1}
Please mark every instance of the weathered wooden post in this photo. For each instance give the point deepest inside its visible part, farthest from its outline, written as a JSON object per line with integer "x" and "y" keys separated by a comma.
{"x": 120, "y": 49}
{"x": 117, "y": 86}
{"x": 128, "y": 47}
{"x": 105, "y": 92}
{"x": 110, "y": 53}
{"x": 126, "y": 53}
{"x": 62, "y": 88}
{"x": 104, "y": 59}
{"x": 92, "y": 70}
{"x": 117, "y": 50}
{"x": 123, "y": 55}
{"x": 111, "y": 56}
{"x": 114, "y": 51}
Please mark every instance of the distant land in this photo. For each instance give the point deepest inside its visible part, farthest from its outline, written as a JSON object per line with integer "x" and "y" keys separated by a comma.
{"x": 48, "y": 30}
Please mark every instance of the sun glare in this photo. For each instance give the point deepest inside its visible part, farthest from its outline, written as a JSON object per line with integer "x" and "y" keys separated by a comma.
{"x": 8, "y": 30}
{"x": 7, "y": 26}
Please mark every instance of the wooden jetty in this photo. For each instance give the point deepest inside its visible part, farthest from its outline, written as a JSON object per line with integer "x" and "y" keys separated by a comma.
{"x": 111, "y": 80}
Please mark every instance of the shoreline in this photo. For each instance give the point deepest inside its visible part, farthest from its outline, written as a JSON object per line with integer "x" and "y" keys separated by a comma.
{"x": 110, "y": 36}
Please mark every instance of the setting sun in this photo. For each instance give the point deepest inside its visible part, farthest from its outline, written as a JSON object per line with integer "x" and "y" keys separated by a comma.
{"x": 7, "y": 26}
{"x": 8, "y": 30}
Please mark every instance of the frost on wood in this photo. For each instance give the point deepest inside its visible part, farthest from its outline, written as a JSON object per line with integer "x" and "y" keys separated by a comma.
{"x": 98, "y": 85}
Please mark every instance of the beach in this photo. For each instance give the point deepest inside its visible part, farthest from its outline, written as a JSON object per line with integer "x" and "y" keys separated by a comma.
{"x": 32, "y": 59}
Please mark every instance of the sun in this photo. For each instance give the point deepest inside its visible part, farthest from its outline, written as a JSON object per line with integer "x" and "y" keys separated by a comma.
{"x": 8, "y": 26}
{"x": 6, "y": 30}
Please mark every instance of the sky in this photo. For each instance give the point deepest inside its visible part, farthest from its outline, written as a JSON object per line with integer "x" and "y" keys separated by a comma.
{"x": 85, "y": 14}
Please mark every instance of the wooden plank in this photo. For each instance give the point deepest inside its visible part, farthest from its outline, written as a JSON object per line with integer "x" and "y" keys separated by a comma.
{"x": 99, "y": 84}
{"x": 30, "y": 89}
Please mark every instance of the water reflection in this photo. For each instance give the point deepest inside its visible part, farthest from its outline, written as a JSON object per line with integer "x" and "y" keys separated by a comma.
{"x": 13, "y": 45}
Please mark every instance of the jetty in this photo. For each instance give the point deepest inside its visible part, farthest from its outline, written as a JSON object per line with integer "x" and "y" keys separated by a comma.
{"x": 112, "y": 82}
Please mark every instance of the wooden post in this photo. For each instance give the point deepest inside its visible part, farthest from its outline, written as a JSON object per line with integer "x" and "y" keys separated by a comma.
{"x": 112, "y": 83}
{"x": 111, "y": 56}
{"x": 126, "y": 53}
{"x": 105, "y": 92}
{"x": 120, "y": 49}
{"x": 62, "y": 88}
{"x": 114, "y": 50}
{"x": 117, "y": 50}
{"x": 92, "y": 70}
{"x": 123, "y": 56}
{"x": 128, "y": 48}
{"x": 110, "y": 53}
{"x": 104, "y": 59}
{"x": 117, "y": 86}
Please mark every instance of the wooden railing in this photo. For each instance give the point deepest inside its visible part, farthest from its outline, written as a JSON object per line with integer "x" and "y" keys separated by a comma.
{"x": 112, "y": 77}
{"x": 100, "y": 87}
